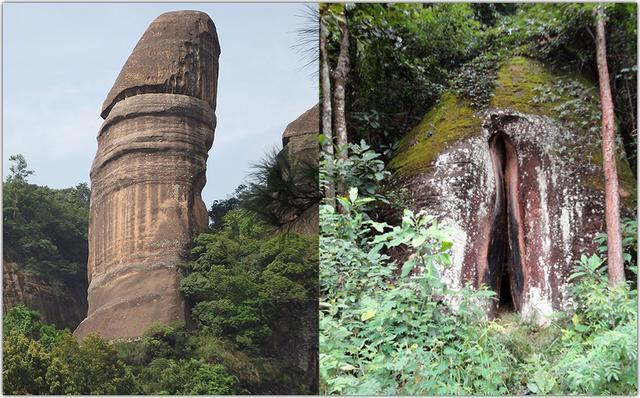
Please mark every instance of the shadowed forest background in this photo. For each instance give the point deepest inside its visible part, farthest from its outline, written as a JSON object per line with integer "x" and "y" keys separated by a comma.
{"x": 401, "y": 86}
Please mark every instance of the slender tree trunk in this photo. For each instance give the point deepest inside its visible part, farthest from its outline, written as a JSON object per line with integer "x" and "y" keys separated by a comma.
{"x": 612, "y": 199}
{"x": 327, "y": 144}
{"x": 339, "y": 82}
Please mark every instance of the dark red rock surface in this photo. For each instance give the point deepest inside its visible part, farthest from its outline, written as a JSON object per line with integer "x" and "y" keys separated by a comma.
{"x": 532, "y": 200}
{"x": 559, "y": 210}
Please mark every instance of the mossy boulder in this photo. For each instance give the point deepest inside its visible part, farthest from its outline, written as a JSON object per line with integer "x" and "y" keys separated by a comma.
{"x": 556, "y": 186}
{"x": 521, "y": 85}
{"x": 448, "y": 122}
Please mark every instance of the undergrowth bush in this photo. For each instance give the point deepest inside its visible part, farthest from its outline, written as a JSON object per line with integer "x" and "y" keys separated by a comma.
{"x": 600, "y": 345}
{"x": 41, "y": 359}
{"x": 240, "y": 280}
{"x": 386, "y": 335}
{"x": 395, "y": 328}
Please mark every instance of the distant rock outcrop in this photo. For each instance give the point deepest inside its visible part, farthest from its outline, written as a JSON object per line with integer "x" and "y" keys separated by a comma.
{"x": 521, "y": 191}
{"x": 296, "y": 336}
{"x": 300, "y": 145}
{"x": 300, "y": 137}
{"x": 63, "y": 305}
{"x": 148, "y": 175}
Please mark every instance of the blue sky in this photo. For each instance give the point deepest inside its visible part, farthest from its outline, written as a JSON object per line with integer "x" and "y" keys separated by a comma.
{"x": 60, "y": 61}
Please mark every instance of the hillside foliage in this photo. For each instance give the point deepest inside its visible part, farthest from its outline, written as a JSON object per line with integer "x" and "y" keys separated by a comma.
{"x": 239, "y": 285}
{"x": 245, "y": 286}
{"x": 45, "y": 229}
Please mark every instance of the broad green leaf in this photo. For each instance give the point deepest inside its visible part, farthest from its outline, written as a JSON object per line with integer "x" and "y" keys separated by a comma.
{"x": 368, "y": 314}
{"x": 353, "y": 194}
{"x": 407, "y": 267}
{"x": 418, "y": 240}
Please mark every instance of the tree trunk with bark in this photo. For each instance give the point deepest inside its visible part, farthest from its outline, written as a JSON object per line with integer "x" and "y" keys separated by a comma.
{"x": 612, "y": 200}
{"x": 340, "y": 80}
{"x": 327, "y": 144}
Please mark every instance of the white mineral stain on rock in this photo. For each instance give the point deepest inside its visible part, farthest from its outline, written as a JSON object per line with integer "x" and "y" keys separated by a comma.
{"x": 565, "y": 227}
{"x": 545, "y": 238}
{"x": 537, "y": 307}
{"x": 452, "y": 275}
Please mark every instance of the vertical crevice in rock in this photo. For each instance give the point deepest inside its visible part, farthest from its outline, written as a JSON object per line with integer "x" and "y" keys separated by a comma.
{"x": 504, "y": 273}
{"x": 497, "y": 253}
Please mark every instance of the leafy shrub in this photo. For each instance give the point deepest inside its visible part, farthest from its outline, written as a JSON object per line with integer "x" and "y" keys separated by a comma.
{"x": 217, "y": 350}
{"x": 239, "y": 281}
{"x": 164, "y": 341}
{"x": 629, "y": 244}
{"x": 24, "y": 366}
{"x": 389, "y": 328}
{"x": 363, "y": 169}
{"x": 385, "y": 335}
{"x": 194, "y": 376}
{"x": 26, "y": 322}
{"x": 88, "y": 368}
{"x": 600, "y": 344}
{"x": 40, "y": 359}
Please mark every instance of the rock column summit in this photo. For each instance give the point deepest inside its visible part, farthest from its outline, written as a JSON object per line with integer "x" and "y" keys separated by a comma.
{"x": 148, "y": 175}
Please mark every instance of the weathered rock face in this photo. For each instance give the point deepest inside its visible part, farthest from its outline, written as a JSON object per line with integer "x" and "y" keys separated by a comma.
{"x": 522, "y": 194}
{"x": 148, "y": 175}
{"x": 64, "y": 306}
{"x": 178, "y": 54}
{"x": 300, "y": 144}
{"x": 300, "y": 138}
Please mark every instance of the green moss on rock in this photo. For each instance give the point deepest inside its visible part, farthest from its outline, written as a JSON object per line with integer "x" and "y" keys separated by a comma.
{"x": 521, "y": 81}
{"x": 448, "y": 122}
{"x": 518, "y": 85}
{"x": 453, "y": 118}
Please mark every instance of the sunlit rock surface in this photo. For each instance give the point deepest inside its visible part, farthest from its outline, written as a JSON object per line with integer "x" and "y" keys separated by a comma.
{"x": 533, "y": 212}
{"x": 148, "y": 175}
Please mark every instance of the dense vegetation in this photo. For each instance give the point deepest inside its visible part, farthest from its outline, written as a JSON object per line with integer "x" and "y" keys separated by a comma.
{"x": 242, "y": 287}
{"x": 393, "y": 327}
{"x": 413, "y": 53}
{"x": 251, "y": 292}
{"x": 45, "y": 229}
{"x": 41, "y": 359}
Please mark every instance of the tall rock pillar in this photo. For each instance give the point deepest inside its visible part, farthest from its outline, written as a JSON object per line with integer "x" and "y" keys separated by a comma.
{"x": 148, "y": 175}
